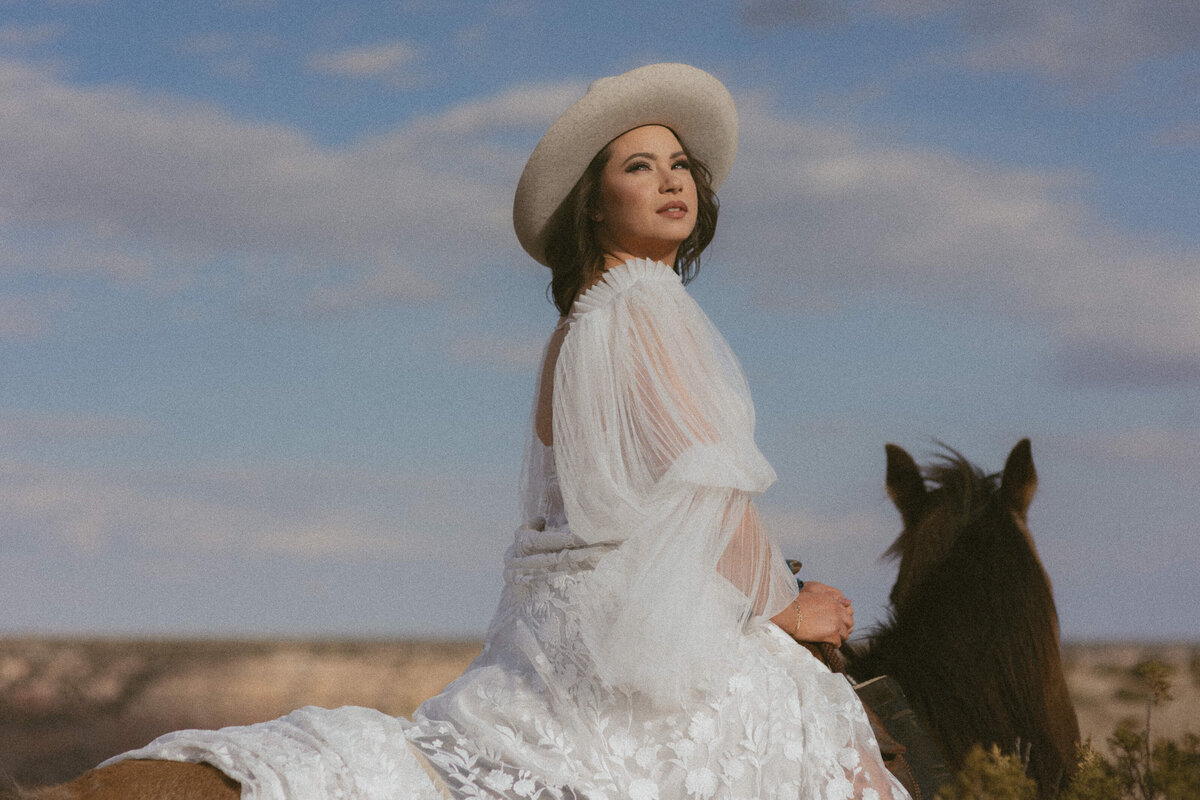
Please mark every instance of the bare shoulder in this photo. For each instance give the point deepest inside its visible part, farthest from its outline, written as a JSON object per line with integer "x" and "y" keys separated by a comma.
{"x": 140, "y": 780}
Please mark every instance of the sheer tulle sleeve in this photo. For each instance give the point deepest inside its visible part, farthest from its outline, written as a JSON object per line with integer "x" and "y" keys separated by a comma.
{"x": 654, "y": 449}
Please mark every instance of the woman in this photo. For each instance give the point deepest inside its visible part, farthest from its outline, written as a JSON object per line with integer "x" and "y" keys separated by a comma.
{"x": 643, "y": 646}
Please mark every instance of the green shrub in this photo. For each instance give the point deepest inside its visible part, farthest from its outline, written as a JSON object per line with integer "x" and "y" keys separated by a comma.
{"x": 990, "y": 775}
{"x": 1137, "y": 770}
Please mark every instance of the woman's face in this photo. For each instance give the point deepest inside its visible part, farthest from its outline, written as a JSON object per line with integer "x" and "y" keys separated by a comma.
{"x": 648, "y": 200}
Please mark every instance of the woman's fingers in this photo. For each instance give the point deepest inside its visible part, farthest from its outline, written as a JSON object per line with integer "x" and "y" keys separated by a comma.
{"x": 816, "y": 587}
{"x": 847, "y": 626}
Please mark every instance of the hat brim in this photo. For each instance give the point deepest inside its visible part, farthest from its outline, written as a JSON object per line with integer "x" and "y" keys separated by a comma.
{"x": 689, "y": 101}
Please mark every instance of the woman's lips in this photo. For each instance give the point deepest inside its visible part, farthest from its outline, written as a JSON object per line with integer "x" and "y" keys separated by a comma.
{"x": 675, "y": 210}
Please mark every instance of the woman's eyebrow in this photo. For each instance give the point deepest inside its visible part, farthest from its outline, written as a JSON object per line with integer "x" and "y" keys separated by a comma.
{"x": 632, "y": 156}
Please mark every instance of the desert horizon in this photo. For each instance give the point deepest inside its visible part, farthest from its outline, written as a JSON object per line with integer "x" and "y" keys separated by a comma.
{"x": 69, "y": 702}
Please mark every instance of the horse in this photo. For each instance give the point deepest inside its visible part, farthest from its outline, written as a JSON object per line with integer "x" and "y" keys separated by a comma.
{"x": 138, "y": 780}
{"x": 972, "y": 631}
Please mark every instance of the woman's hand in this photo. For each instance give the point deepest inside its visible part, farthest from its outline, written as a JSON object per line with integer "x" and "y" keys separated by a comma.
{"x": 825, "y": 615}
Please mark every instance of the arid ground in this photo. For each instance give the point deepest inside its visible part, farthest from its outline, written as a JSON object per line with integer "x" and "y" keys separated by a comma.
{"x": 66, "y": 704}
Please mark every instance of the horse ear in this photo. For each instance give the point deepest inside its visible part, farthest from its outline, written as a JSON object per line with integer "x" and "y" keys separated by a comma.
{"x": 905, "y": 485}
{"x": 1020, "y": 478}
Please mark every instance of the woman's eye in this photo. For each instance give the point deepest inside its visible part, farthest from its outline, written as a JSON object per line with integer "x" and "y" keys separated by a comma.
{"x": 681, "y": 165}
{"x": 637, "y": 165}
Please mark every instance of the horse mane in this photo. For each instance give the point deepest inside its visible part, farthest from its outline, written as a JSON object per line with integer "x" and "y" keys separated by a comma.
{"x": 960, "y": 483}
{"x": 957, "y": 485}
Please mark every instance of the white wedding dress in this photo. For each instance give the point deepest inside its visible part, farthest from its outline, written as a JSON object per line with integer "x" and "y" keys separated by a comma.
{"x": 631, "y": 655}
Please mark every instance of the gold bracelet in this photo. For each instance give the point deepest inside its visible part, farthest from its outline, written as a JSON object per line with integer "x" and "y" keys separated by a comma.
{"x": 799, "y": 619}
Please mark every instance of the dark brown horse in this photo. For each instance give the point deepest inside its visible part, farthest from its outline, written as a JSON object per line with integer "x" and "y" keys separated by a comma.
{"x": 139, "y": 780}
{"x": 973, "y": 633}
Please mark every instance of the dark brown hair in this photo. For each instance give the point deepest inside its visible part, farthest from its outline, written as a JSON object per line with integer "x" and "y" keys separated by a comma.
{"x": 572, "y": 247}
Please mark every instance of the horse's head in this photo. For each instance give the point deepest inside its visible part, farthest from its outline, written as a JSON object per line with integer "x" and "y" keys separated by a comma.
{"x": 957, "y": 496}
{"x": 973, "y": 634}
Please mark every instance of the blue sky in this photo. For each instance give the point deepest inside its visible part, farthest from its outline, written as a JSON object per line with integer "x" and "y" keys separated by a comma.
{"x": 267, "y": 340}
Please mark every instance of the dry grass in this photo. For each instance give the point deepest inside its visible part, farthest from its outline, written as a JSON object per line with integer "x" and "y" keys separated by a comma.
{"x": 66, "y": 704}
{"x": 1105, "y": 692}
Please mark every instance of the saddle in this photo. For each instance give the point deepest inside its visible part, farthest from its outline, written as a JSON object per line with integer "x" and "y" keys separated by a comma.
{"x": 907, "y": 748}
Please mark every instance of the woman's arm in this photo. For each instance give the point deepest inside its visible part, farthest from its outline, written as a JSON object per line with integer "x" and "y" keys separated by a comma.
{"x": 753, "y": 564}
{"x": 819, "y": 613}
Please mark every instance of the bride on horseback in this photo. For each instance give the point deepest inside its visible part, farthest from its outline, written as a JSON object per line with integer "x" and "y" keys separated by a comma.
{"x": 645, "y": 645}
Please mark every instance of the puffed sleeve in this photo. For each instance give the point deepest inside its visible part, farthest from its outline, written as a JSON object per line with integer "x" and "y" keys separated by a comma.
{"x": 655, "y": 453}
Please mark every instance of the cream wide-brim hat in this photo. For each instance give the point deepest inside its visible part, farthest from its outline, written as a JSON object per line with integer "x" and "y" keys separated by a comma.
{"x": 689, "y": 101}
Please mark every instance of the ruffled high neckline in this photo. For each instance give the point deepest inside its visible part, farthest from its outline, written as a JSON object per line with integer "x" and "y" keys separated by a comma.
{"x": 618, "y": 280}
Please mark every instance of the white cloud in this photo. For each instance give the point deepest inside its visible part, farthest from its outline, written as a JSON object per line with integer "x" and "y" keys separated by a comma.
{"x": 209, "y": 44}
{"x": 768, "y": 13}
{"x": 271, "y": 510}
{"x": 336, "y": 540}
{"x": 15, "y": 35}
{"x": 1181, "y": 135}
{"x": 25, "y": 315}
{"x": 1082, "y": 43}
{"x": 497, "y": 352}
{"x": 532, "y": 107}
{"x": 152, "y": 190}
{"x": 109, "y": 181}
{"x": 293, "y": 510}
{"x": 1088, "y": 45}
{"x": 392, "y": 61}
{"x": 471, "y": 36}
{"x": 1174, "y": 450}
{"x": 512, "y": 8}
{"x": 370, "y": 290}
{"x": 853, "y": 216}
{"x": 799, "y": 530}
{"x": 229, "y": 55}
{"x": 20, "y": 425}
